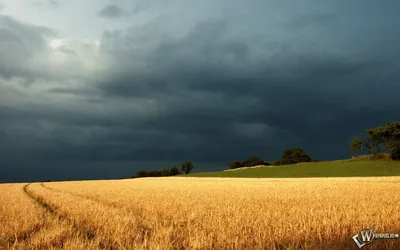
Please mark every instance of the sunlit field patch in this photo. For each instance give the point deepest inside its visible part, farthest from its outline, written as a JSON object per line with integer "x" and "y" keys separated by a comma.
{"x": 211, "y": 213}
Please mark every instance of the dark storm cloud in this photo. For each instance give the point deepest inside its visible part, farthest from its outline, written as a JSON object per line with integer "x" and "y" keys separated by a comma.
{"x": 313, "y": 20}
{"x": 213, "y": 92}
{"x": 206, "y": 84}
{"x": 19, "y": 43}
{"x": 111, "y": 11}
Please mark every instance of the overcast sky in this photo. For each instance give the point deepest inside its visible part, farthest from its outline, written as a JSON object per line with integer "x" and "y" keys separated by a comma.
{"x": 104, "y": 88}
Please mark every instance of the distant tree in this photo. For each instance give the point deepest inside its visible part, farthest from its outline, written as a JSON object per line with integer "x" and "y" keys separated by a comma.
{"x": 141, "y": 174}
{"x": 295, "y": 155}
{"x": 174, "y": 171}
{"x": 166, "y": 172}
{"x": 282, "y": 162}
{"x": 235, "y": 164}
{"x": 386, "y": 137}
{"x": 356, "y": 144}
{"x": 253, "y": 161}
{"x": 186, "y": 167}
{"x": 389, "y": 136}
{"x": 154, "y": 174}
{"x": 395, "y": 155}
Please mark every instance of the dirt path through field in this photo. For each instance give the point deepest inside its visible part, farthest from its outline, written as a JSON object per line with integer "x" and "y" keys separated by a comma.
{"x": 86, "y": 232}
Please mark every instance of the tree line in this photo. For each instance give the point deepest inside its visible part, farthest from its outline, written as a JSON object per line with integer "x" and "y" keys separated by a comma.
{"x": 289, "y": 156}
{"x": 382, "y": 139}
{"x": 185, "y": 168}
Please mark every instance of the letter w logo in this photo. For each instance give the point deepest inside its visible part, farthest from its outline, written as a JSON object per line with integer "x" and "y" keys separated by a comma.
{"x": 366, "y": 236}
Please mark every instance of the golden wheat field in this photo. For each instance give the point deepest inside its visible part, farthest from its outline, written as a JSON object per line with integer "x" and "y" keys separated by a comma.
{"x": 199, "y": 213}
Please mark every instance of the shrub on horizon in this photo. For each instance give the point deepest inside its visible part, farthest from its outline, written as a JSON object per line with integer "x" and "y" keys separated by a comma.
{"x": 253, "y": 161}
{"x": 235, "y": 164}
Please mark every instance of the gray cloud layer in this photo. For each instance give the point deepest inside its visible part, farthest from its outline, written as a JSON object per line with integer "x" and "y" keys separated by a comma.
{"x": 111, "y": 12}
{"x": 211, "y": 89}
{"x": 48, "y": 3}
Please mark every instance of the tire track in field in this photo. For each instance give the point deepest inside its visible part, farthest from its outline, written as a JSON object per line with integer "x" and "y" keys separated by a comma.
{"x": 166, "y": 219}
{"x": 139, "y": 212}
{"x": 87, "y": 232}
{"x": 145, "y": 229}
{"x": 100, "y": 201}
{"x": 27, "y": 234}
{"x": 24, "y": 235}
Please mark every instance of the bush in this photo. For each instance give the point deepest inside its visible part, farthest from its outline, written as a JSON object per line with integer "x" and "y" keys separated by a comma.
{"x": 396, "y": 154}
{"x": 380, "y": 157}
{"x": 253, "y": 161}
{"x": 295, "y": 155}
{"x": 282, "y": 162}
{"x": 186, "y": 167}
{"x": 235, "y": 164}
{"x": 141, "y": 174}
{"x": 154, "y": 174}
{"x": 174, "y": 171}
{"x": 166, "y": 172}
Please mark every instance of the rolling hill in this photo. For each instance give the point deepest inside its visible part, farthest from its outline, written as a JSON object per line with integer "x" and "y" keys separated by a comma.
{"x": 342, "y": 168}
